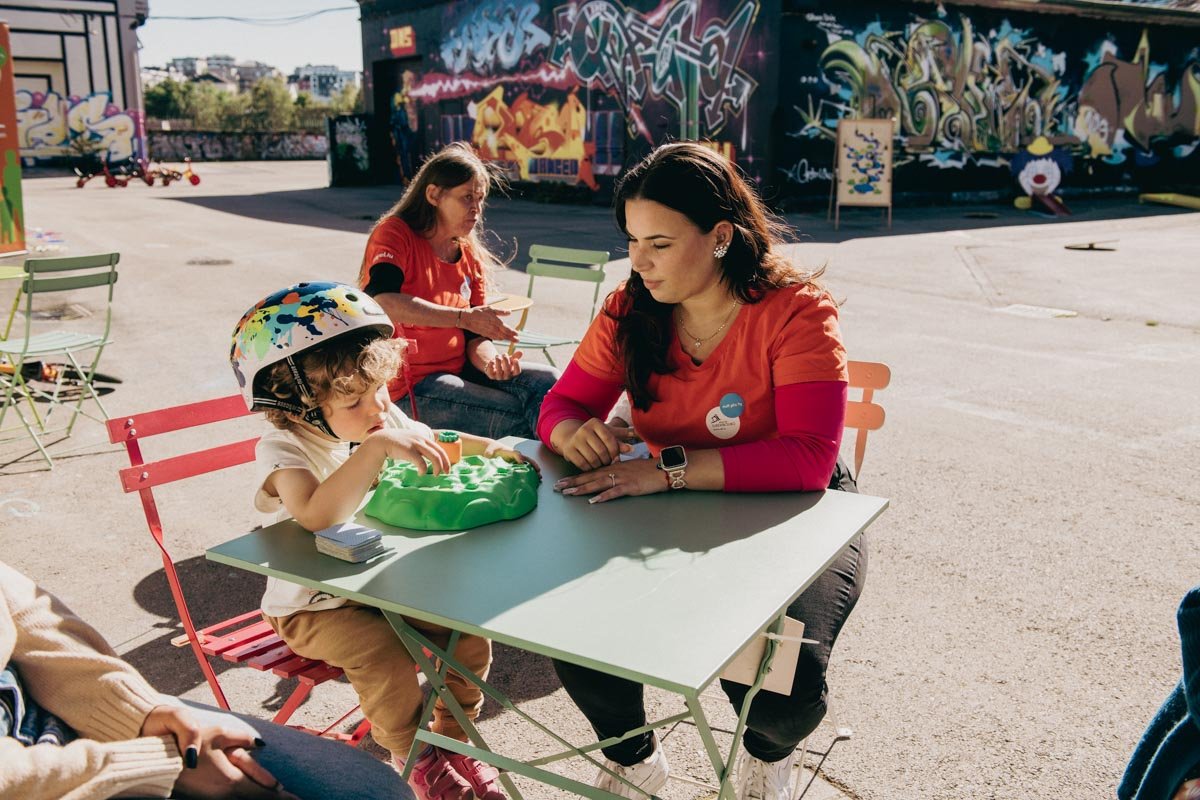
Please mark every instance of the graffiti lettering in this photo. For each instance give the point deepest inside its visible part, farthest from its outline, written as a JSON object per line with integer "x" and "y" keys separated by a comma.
{"x": 958, "y": 91}
{"x": 211, "y": 146}
{"x": 801, "y": 172}
{"x": 655, "y": 55}
{"x": 48, "y": 125}
{"x": 494, "y": 34}
{"x": 1120, "y": 103}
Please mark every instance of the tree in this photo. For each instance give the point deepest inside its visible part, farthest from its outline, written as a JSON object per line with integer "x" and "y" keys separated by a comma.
{"x": 347, "y": 100}
{"x": 271, "y": 107}
{"x": 168, "y": 100}
{"x": 206, "y": 107}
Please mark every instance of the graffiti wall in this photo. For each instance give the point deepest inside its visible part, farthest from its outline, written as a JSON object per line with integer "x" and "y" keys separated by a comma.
{"x": 50, "y": 125}
{"x": 569, "y": 92}
{"x": 215, "y": 146}
{"x": 969, "y": 88}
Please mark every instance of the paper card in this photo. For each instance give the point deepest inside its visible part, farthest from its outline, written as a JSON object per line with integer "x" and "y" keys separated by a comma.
{"x": 349, "y": 534}
{"x": 744, "y": 668}
{"x": 640, "y": 450}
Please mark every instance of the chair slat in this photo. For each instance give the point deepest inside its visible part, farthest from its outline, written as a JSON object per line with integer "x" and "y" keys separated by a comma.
{"x": 269, "y": 659}
{"x": 291, "y": 667}
{"x": 59, "y": 264}
{"x": 156, "y": 473}
{"x": 869, "y": 374}
{"x": 582, "y": 272}
{"x": 567, "y": 255}
{"x": 177, "y": 418}
{"x": 217, "y": 645}
{"x": 866, "y": 416}
{"x": 36, "y": 285}
{"x": 254, "y": 648}
{"x": 316, "y": 674}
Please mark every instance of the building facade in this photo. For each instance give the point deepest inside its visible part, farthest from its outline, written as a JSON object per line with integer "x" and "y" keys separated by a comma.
{"x": 77, "y": 77}
{"x": 571, "y": 92}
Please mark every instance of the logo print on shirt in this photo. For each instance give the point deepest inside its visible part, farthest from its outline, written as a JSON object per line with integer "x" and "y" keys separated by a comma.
{"x": 465, "y": 290}
{"x": 723, "y": 420}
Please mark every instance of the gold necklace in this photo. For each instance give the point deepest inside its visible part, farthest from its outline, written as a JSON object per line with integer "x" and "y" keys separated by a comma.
{"x": 697, "y": 341}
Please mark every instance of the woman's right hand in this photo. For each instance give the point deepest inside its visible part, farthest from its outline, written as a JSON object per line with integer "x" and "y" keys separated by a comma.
{"x": 227, "y": 770}
{"x": 487, "y": 323}
{"x": 411, "y": 446}
{"x": 594, "y": 444}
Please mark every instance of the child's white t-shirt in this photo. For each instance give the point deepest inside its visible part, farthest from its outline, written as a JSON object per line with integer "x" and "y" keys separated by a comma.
{"x": 304, "y": 449}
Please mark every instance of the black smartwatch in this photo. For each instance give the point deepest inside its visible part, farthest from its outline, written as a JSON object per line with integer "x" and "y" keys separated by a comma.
{"x": 673, "y": 461}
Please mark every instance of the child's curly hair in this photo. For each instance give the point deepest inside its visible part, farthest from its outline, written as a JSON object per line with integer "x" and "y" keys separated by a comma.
{"x": 347, "y": 365}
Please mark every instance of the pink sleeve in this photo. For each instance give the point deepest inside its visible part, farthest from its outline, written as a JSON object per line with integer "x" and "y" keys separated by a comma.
{"x": 576, "y": 395}
{"x": 809, "y": 417}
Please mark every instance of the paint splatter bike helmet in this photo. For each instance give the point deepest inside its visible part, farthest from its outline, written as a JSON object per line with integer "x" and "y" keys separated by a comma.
{"x": 290, "y": 321}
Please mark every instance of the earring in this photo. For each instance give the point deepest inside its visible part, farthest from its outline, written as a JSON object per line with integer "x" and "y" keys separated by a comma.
{"x": 720, "y": 250}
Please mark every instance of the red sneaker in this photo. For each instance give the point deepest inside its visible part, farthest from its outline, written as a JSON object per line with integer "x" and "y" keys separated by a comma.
{"x": 482, "y": 777}
{"x": 432, "y": 778}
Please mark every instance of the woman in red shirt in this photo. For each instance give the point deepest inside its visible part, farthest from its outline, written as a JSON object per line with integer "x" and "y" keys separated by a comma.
{"x": 426, "y": 265}
{"x": 737, "y": 378}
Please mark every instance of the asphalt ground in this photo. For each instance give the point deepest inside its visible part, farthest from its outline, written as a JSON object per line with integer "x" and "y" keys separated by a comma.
{"x": 1017, "y": 628}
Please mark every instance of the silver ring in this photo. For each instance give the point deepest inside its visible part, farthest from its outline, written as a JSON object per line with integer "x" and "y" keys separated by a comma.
{"x": 613, "y": 477}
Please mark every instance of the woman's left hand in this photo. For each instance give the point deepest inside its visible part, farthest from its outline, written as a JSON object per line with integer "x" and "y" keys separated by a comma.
{"x": 619, "y": 479}
{"x": 504, "y": 366}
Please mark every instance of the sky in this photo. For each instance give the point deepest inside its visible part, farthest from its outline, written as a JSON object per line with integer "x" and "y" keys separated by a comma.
{"x": 330, "y": 38}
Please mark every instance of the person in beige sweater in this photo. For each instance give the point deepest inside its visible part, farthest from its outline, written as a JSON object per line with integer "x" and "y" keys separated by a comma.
{"x": 131, "y": 743}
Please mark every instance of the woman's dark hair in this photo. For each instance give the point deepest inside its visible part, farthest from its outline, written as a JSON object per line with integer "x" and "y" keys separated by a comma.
{"x": 706, "y": 188}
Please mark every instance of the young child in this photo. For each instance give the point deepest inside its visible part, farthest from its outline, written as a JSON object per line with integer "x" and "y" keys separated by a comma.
{"x": 316, "y": 358}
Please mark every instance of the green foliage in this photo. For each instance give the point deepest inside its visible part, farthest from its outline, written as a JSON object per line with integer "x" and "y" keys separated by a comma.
{"x": 271, "y": 107}
{"x": 267, "y": 107}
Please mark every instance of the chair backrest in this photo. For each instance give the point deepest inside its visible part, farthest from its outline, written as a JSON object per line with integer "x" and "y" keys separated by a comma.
{"x": 142, "y": 477}
{"x": 567, "y": 263}
{"x": 44, "y": 275}
{"x": 862, "y": 414}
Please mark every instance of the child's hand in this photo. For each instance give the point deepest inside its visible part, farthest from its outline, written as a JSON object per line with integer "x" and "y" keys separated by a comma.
{"x": 497, "y": 450}
{"x": 412, "y": 446}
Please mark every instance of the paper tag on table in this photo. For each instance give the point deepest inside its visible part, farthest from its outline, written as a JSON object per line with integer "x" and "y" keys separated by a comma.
{"x": 744, "y": 668}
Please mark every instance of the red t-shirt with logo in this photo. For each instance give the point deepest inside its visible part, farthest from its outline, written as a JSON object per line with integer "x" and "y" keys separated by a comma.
{"x": 457, "y": 285}
{"x": 790, "y": 336}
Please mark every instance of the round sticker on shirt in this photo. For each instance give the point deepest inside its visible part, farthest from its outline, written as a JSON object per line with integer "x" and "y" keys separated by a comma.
{"x": 732, "y": 405}
{"x": 721, "y": 426}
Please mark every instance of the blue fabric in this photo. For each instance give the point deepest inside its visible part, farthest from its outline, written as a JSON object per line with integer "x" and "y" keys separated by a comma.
{"x": 23, "y": 719}
{"x": 474, "y": 403}
{"x": 1169, "y": 750}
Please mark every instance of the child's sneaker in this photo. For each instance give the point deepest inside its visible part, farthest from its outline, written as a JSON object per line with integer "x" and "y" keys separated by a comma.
{"x": 482, "y": 777}
{"x": 432, "y": 778}
{"x": 649, "y": 776}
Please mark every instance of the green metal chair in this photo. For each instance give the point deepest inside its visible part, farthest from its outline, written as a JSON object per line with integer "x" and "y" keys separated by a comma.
{"x": 564, "y": 263}
{"x": 43, "y": 276}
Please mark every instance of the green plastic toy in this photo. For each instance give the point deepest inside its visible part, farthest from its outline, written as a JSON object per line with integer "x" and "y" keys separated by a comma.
{"x": 477, "y": 491}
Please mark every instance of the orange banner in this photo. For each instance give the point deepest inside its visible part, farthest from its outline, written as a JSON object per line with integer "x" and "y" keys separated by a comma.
{"x": 12, "y": 213}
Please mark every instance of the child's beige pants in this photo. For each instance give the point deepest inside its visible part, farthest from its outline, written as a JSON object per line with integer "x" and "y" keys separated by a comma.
{"x": 359, "y": 640}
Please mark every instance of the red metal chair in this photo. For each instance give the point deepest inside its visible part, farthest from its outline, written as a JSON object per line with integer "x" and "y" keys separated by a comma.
{"x": 243, "y": 639}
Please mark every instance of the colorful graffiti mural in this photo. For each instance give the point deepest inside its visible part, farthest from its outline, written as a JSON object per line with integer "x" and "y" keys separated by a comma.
{"x": 968, "y": 90}
{"x": 51, "y": 125}
{"x": 538, "y": 140}
{"x": 658, "y": 54}
{"x": 492, "y": 37}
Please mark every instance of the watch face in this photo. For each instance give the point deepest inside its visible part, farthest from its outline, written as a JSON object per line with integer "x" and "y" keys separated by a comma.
{"x": 673, "y": 457}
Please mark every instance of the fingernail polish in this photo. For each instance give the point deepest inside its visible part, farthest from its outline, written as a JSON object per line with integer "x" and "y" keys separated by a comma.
{"x": 569, "y": 491}
{"x": 592, "y": 500}
{"x": 259, "y": 742}
{"x": 191, "y": 757}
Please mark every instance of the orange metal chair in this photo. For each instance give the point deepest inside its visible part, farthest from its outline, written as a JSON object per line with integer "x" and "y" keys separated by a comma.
{"x": 862, "y": 414}
{"x": 243, "y": 639}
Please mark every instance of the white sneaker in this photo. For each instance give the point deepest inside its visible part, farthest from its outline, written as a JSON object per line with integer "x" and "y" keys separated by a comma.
{"x": 762, "y": 780}
{"x": 649, "y": 776}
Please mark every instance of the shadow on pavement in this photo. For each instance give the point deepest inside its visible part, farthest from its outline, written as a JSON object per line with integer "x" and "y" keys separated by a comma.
{"x": 215, "y": 592}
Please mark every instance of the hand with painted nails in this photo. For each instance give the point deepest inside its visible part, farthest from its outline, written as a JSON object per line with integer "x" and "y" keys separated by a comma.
{"x": 216, "y": 759}
{"x": 594, "y": 444}
{"x": 622, "y": 479}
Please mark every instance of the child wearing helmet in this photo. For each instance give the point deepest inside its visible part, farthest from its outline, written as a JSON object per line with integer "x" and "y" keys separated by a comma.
{"x": 316, "y": 358}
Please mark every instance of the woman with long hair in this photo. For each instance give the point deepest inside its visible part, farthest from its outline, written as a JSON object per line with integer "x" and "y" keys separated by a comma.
{"x": 427, "y": 265}
{"x": 737, "y": 378}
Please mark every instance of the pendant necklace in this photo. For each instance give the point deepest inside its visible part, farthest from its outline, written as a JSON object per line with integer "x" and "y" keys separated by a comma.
{"x": 697, "y": 341}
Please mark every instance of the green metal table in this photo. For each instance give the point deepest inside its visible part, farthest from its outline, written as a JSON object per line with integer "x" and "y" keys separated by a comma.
{"x": 685, "y": 580}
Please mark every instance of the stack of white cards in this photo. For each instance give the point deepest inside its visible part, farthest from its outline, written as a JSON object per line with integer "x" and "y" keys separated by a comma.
{"x": 350, "y": 541}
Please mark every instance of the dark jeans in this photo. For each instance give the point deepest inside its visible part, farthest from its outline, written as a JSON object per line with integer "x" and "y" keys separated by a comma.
{"x": 776, "y": 723}
{"x": 471, "y": 402}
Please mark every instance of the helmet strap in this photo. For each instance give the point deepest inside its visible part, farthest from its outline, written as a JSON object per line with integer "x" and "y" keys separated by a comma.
{"x": 311, "y": 413}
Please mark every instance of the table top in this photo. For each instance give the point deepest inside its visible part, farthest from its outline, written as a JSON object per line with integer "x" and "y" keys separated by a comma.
{"x": 663, "y": 589}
